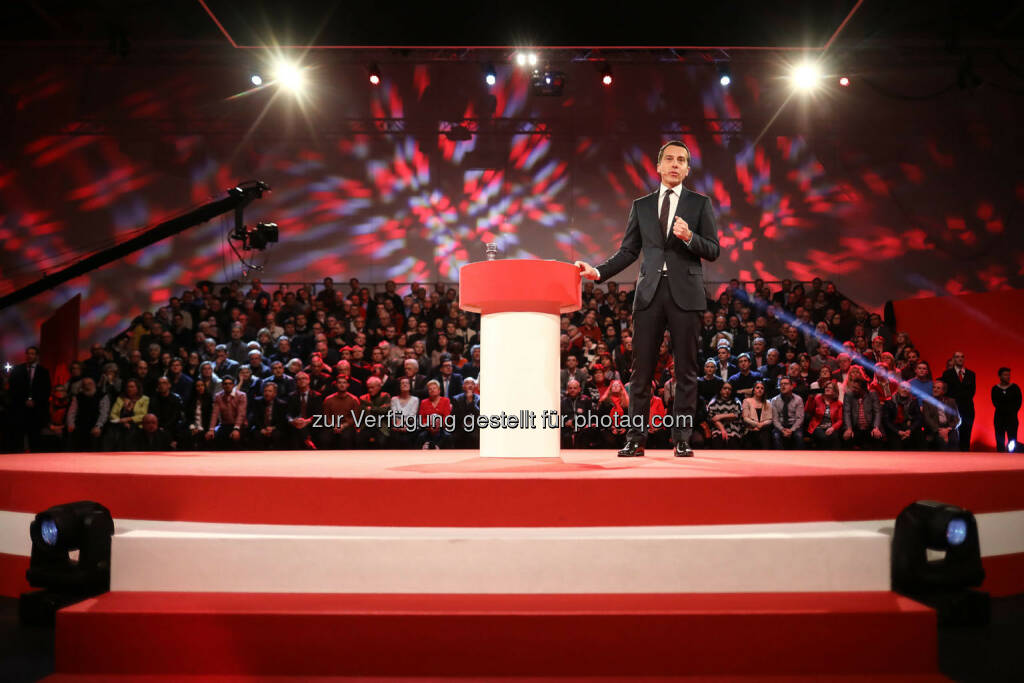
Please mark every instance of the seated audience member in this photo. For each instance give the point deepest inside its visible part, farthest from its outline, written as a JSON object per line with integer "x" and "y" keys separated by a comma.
{"x": 710, "y": 384}
{"x": 433, "y": 411}
{"x": 466, "y": 409}
{"x": 725, "y": 416}
{"x": 1006, "y": 399}
{"x": 450, "y": 381}
{"x": 211, "y": 378}
{"x": 800, "y": 387}
{"x": 614, "y": 402}
{"x": 902, "y": 419}
{"x": 922, "y": 382}
{"x": 181, "y": 384}
{"x": 375, "y": 406}
{"x": 267, "y": 419}
{"x": 757, "y": 414}
{"x": 228, "y": 419}
{"x": 405, "y": 410}
{"x": 169, "y": 410}
{"x": 885, "y": 384}
{"x": 88, "y": 413}
{"x": 340, "y": 410}
{"x": 571, "y": 371}
{"x": 862, "y": 417}
{"x": 825, "y": 418}
{"x": 285, "y": 382}
{"x": 771, "y": 371}
{"x": 125, "y": 416}
{"x": 224, "y": 366}
{"x": 725, "y": 368}
{"x": 657, "y": 434}
{"x": 199, "y": 414}
{"x": 744, "y": 380}
{"x": 787, "y": 417}
{"x": 320, "y": 374}
{"x": 940, "y": 418}
{"x": 303, "y": 404}
{"x": 53, "y": 435}
{"x": 577, "y": 404}
{"x": 417, "y": 380}
{"x": 151, "y": 437}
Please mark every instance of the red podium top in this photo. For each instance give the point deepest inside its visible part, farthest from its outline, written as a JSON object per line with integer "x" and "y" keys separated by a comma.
{"x": 519, "y": 285}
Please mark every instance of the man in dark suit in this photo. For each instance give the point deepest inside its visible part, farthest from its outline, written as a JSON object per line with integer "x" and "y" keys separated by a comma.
{"x": 267, "y": 420}
{"x": 30, "y": 401}
{"x": 961, "y": 385}
{"x": 451, "y": 381}
{"x": 303, "y": 404}
{"x": 674, "y": 229}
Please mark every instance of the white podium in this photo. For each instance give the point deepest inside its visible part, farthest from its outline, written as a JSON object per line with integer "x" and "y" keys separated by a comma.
{"x": 520, "y": 301}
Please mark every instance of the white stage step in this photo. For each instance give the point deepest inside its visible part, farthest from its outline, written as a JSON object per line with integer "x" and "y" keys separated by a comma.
{"x": 811, "y": 557}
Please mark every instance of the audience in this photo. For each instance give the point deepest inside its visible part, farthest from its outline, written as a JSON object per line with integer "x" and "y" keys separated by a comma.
{"x": 261, "y": 369}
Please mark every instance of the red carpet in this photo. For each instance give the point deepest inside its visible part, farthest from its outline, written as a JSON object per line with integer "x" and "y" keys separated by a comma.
{"x": 517, "y": 635}
{"x": 457, "y": 488}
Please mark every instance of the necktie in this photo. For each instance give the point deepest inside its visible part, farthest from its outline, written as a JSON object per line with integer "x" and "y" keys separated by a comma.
{"x": 960, "y": 372}
{"x": 31, "y": 374}
{"x": 666, "y": 209}
{"x": 862, "y": 419}
{"x": 267, "y": 419}
{"x": 302, "y": 408}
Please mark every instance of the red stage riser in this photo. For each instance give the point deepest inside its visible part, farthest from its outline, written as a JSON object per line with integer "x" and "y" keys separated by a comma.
{"x": 497, "y": 635}
{"x": 554, "y": 498}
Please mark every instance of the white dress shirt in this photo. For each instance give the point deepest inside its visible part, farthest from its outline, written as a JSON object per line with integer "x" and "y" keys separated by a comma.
{"x": 673, "y": 202}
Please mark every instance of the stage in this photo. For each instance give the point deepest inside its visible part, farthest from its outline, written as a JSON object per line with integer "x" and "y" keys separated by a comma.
{"x": 556, "y": 557}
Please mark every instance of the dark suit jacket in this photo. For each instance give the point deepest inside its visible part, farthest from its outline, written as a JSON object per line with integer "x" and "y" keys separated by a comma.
{"x": 314, "y": 405}
{"x": 258, "y": 414}
{"x": 39, "y": 391}
{"x": 454, "y": 385}
{"x": 645, "y": 235}
{"x": 961, "y": 392}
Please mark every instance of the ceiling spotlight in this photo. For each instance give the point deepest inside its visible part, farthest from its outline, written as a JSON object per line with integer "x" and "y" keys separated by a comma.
{"x": 806, "y": 76}
{"x": 520, "y": 59}
{"x": 532, "y": 59}
{"x": 606, "y": 74}
{"x": 844, "y": 81}
{"x": 724, "y": 76}
{"x": 374, "y": 74}
{"x": 490, "y": 77}
{"x": 256, "y": 79}
{"x": 290, "y": 76}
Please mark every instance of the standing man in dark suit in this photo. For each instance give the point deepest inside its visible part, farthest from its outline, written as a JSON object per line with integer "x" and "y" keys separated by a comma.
{"x": 961, "y": 385}
{"x": 674, "y": 229}
{"x": 30, "y": 401}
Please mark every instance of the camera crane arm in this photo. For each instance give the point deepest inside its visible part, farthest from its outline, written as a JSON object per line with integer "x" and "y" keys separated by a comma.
{"x": 238, "y": 198}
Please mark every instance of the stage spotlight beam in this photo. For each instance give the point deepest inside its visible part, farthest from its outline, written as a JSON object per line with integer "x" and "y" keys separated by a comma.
{"x": 606, "y": 75}
{"x": 806, "y": 76}
{"x": 290, "y": 76}
{"x": 374, "y": 74}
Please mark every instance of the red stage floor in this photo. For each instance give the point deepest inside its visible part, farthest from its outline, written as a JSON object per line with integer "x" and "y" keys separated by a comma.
{"x": 458, "y": 488}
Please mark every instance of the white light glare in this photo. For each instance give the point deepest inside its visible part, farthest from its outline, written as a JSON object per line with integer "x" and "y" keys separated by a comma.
{"x": 491, "y": 79}
{"x": 725, "y": 80}
{"x": 290, "y": 76}
{"x": 256, "y": 79}
{"x": 806, "y": 76}
{"x": 521, "y": 59}
{"x": 532, "y": 59}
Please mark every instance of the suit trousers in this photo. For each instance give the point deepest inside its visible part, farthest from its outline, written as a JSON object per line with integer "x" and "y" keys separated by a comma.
{"x": 649, "y": 325}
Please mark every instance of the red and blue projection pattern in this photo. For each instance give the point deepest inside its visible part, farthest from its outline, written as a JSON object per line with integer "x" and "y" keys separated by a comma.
{"x": 366, "y": 185}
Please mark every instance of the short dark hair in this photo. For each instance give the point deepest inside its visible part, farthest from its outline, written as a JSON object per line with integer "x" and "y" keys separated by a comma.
{"x": 1002, "y": 370}
{"x": 674, "y": 143}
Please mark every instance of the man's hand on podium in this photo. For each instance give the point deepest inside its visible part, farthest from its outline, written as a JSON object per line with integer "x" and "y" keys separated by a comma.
{"x": 588, "y": 271}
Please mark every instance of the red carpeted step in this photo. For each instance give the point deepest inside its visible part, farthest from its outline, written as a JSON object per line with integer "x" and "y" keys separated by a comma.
{"x": 490, "y": 635}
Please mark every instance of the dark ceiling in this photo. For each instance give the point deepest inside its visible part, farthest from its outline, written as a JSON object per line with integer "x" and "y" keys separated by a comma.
{"x": 332, "y": 23}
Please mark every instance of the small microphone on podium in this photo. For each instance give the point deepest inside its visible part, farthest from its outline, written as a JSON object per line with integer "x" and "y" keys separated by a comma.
{"x": 492, "y": 251}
